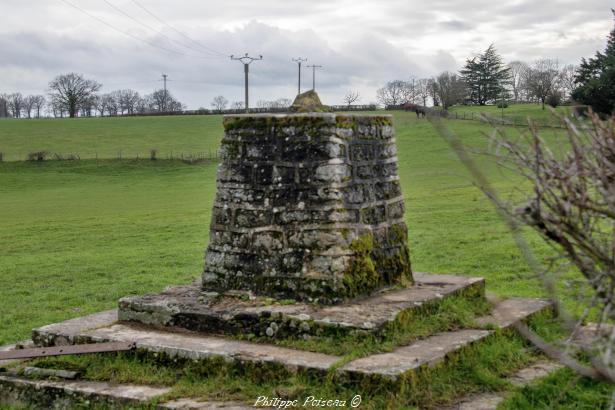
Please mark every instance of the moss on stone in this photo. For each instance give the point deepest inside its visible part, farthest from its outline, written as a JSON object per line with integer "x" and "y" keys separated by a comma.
{"x": 361, "y": 276}
{"x": 344, "y": 121}
{"x": 308, "y": 102}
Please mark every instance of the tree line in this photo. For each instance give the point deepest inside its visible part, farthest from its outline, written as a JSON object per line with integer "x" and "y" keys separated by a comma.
{"x": 72, "y": 95}
{"x": 486, "y": 79}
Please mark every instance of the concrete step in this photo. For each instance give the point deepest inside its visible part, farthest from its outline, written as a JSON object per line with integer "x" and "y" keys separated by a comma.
{"x": 64, "y": 394}
{"x": 186, "y": 307}
{"x": 50, "y": 394}
{"x": 196, "y": 346}
{"x": 434, "y": 349}
{"x": 182, "y": 344}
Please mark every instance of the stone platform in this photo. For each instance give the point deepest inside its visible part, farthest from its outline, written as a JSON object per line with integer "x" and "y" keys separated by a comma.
{"x": 187, "y": 307}
{"x": 389, "y": 367}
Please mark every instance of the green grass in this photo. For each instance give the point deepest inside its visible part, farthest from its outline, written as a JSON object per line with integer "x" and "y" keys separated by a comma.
{"x": 517, "y": 112}
{"x": 108, "y": 137}
{"x": 453, "y": 313}
{"x": 477, "y": 368}
{"x": 170, "y": 135}
{"x": 78, "y": 235}
{"x": 561, "y": 390}
{"x": 75, "y": 236}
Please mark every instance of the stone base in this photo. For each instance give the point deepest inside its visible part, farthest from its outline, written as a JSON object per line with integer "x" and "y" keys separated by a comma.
{"x": 389, "y": 368}
{"x": 189, "y": 308}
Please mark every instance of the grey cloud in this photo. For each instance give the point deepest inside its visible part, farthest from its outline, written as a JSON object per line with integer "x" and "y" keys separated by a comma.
{"x": 455, "y": 25}
{"x": 360, "y": 44}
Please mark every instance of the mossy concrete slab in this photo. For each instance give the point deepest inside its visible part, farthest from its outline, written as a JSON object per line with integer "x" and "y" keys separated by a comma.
{"x": 425, "y": 352}
{"x": 187, "y": 307}
{"x": 197, "y": 346}
{"x": 47, "y": 394}
{"x": 180, "y": 344}
{"x": 509, "y": 311}
{"x": 191, "y": 404}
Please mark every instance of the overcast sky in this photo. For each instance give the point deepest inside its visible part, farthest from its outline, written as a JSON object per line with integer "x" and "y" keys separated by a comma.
{"x": 360, "y": 44}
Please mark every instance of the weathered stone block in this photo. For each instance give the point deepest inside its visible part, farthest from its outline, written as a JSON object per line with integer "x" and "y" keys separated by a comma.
{"x": 308, "y": 208}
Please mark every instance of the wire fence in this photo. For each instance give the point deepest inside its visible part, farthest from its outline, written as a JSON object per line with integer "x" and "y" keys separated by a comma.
{"x": 152, "y": 155}
{"x": 507, "y": 120}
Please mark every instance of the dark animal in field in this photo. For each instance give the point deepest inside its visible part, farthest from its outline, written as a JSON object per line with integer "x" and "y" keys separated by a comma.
{"x": 418, "y": 109}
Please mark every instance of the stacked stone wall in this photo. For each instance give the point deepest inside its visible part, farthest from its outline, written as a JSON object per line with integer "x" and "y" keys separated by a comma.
{"x": 308, "y": 207}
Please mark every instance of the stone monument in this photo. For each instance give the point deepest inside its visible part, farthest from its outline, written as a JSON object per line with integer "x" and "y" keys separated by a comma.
{"x": 308, "y": 207}
{"x": 308, "y": 210}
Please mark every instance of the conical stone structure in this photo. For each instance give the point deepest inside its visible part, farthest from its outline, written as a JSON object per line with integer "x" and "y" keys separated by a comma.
{"x": 308, "y": 207}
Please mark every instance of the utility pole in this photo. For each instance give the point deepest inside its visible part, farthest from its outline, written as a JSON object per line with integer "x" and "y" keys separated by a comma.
{"x": 246, "y": 61}
{"x": 164, "y": 104}
{"x": 314, "y": 67}
{"x": 299, "y": 61}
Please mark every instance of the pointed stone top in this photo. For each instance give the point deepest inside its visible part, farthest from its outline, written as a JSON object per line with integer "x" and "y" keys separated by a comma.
{"x": 308, "y": 102}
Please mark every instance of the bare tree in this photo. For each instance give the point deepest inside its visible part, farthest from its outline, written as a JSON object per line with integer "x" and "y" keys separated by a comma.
{"x": 28, "y": 105}
{"x": 566, "y": 80}
{"x": 570, "y": 202}
{"x": 351, "y": 97}
{"x": 542, "y": 79}
{"x": 56, "y": 107}
{"x": 88, "y": 106}
{"x": 422, "y": 91}
{"x": 72, "y": 91}
{"x": 394, "y": 93}
{"x": 572, "y": 206}
{"x": 39, "y": 103}
{"x": 102, "y": 103}
{"x": 219, "y": 103}
{"x": 15, "y": 104}
{"x": 450, "y": 89}
{"x": 432, "y": 89}
{"x": 113, "y": 103}
{"x": 517, "y": 70}
{"x": 237, "y": 105}
{"x": 4, "y": 108}
{"x": 141, "y": 105}
{"x": 127, "y": 100}
{"x": 283, "y": 102}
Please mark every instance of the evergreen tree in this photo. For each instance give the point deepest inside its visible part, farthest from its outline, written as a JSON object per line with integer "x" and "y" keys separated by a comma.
{"x": 596, "y": 79}
{"x": 486, "y": 77}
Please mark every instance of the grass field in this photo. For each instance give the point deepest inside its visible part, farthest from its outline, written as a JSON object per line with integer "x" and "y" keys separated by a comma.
{"x": 77, "y": 235}
{"x": 111, "y": 137}
{"x": 517, "y": 112}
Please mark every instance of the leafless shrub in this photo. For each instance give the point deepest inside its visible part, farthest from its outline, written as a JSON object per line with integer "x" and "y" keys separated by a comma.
{"x": 37, "y": 156}
{"x": 571, "y": 204}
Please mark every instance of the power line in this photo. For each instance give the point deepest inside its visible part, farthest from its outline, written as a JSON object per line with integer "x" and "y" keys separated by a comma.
{"x": 299, "y": 61}
{"x": 209, "y": 49}
{"x": 314, "y": 67}
{"x": 168, "y": 50}
{"x": 147, "y": 26}
{"x": 246, "y": 60}
{"x": 164, "y": 78}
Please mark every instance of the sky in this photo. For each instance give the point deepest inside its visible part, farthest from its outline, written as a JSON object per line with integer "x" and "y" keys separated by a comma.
{"x": 359, "y": 44}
